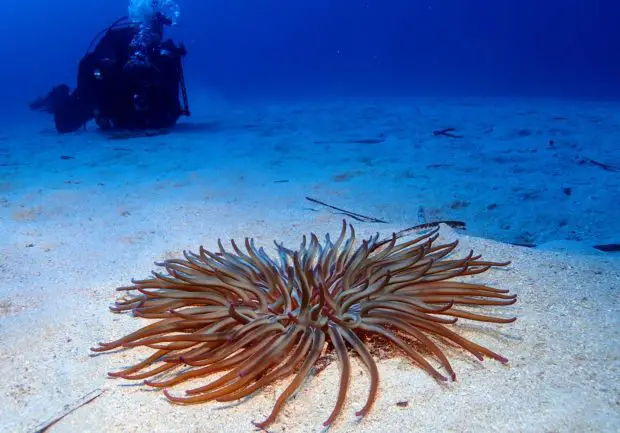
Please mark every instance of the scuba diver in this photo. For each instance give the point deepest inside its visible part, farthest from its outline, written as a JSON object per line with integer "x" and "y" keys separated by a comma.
{"x": 130, "y": 81}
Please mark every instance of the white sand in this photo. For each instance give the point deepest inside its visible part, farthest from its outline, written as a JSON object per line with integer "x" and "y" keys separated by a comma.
{"x": 71, "y": 230}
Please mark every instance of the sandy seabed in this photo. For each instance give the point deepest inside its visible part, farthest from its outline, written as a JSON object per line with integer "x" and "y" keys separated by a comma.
{"x": 83, "y": 214}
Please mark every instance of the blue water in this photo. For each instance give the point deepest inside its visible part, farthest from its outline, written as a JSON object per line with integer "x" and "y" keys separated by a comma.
{"x": 360, "y": 47}
{"x": 533, "y": 86}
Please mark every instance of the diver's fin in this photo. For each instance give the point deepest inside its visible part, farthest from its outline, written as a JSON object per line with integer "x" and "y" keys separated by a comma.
{"x": 50, "y": 102}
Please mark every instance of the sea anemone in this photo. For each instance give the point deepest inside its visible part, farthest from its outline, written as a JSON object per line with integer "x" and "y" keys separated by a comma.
{"x": 257, "y": 319}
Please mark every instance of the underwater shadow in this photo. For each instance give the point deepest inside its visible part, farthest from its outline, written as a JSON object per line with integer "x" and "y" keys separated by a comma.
{"x": 182, "y": 128}
{"x": 191, "y": 127}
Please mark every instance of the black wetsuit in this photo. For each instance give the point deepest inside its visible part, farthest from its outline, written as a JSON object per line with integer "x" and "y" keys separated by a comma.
{"x": 117, "y": 93}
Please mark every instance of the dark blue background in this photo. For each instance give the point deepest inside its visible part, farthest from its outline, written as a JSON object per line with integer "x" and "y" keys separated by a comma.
{"x": 296, "y": 48}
